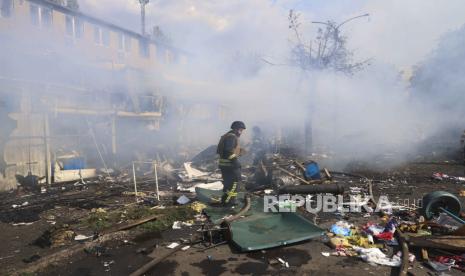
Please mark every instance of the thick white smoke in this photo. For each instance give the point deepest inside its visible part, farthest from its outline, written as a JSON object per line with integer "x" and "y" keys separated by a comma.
{"x": 368, "y": 114}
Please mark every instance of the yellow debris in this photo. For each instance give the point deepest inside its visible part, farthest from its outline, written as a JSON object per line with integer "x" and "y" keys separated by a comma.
{"x": 198, "y": 206}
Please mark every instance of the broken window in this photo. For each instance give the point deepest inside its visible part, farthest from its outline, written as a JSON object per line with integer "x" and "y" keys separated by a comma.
{"x": 6, "y": 8}
{"x": 144, "y": 50}
{"x": 46, "y": 17}
{"x": 34, "y": 13}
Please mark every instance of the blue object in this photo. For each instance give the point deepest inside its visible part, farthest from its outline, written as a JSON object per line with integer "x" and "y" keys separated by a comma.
{"x": 338, "y": 230}
{"x": 77, "y": 163}
{"x": 312, "y": 171}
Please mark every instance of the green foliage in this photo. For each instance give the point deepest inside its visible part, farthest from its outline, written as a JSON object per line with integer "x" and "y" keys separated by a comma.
{"x": 98, "y": 221}
{"x": 170, "y": 215}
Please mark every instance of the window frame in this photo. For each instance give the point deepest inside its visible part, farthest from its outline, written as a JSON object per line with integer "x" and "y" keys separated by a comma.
{"x": 6, "y": 12}
{"x": 34, "y": 14}
{"x": 79, "y": 28}
{"x": 69, "y": 25}
{"x": 97, "y": 35}
{"x": 42, "y": 11}
{"x": 105, "y": 35}
{"x": 144, "y": 49}
{"x": 124, "y": 42}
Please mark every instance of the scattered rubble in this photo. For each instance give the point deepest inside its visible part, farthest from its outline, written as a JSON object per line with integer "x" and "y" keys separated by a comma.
{"x": 371, "y": 235}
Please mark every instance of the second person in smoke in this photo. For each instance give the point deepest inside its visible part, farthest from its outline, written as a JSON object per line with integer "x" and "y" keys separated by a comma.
{"x": 229, "y": 151}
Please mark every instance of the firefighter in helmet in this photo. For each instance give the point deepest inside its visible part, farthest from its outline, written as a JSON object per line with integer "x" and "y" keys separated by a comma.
{"x": 229, "y": 151}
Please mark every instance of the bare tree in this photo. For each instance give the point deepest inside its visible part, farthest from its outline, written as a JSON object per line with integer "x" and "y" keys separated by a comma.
{"x": 72, "y": 4}
{"x": 159, "y": 35}
{"x": 328, "y": 50}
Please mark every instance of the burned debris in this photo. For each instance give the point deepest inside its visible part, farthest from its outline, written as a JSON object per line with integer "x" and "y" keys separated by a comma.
{"x": 114, "y": 157}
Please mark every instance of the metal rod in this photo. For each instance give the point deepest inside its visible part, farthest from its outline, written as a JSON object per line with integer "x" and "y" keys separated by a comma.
{"x": 92, "y": 134}
{"x": 134, "y": 179}
{"x": 452, "y": 215}
{"x": 48, "y": 161}
{"x": 215, "y": 245}
{"x": 113, "y": 135}
{"x": 156, "y": 180}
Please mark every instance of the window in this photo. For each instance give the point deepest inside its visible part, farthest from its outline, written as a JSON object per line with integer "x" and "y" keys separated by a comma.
{"x": 124, "y": 42}
{"x": 106, "y": 37}
{"x": 46, "y": 17}
{"x": 120, "y": 41}
{"x": 97, "y": 35}
{"x": 78, "y": 28}
{"x": 128, "y": 43}
{"x": 144, "y": 50}
{"x": 40, "y": 16}
{"x": 6, "y": 8}
{"x": 69, "y": 25}
{"x": 101, "y": 36}
{"x": 74, "y": 26}
{"x": 34, "y": 12}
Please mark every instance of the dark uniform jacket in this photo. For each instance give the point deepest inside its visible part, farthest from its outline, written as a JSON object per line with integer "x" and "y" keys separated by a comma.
{"x": 229, "y": 150}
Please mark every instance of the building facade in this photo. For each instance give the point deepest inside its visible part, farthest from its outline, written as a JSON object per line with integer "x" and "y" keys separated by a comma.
{"x": 74, "y": 89}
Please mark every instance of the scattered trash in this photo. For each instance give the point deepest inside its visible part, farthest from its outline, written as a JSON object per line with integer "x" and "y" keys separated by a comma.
{"x": 183, "y": 200}
{"x": 20, "y": 205}
{"x": 185, "y": 247}
{"x": 439, "y": 267}
{"x": 172, "y": 245}
{"x": 411, "y": 257}
{"x": 55, "y": 237}
{"x": 179, "y": 224}
{"x": 446, "y": 221}
{"x": 81, "y": 237}
{"x": 192, "y": 172}
{"x": 217, "y": 185}
{"x": 341, "y": 228}
{"x": 283, "y": 263}
{"x": 326, "y": 254}
{"x": 442, "y": 176}
{"x": 22, "y": 223}
{"x": 439, "y": 176}
{"x": 108, "y": 263}
{"x": 376, "y": 256}
{"x": 198, "y": 206}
